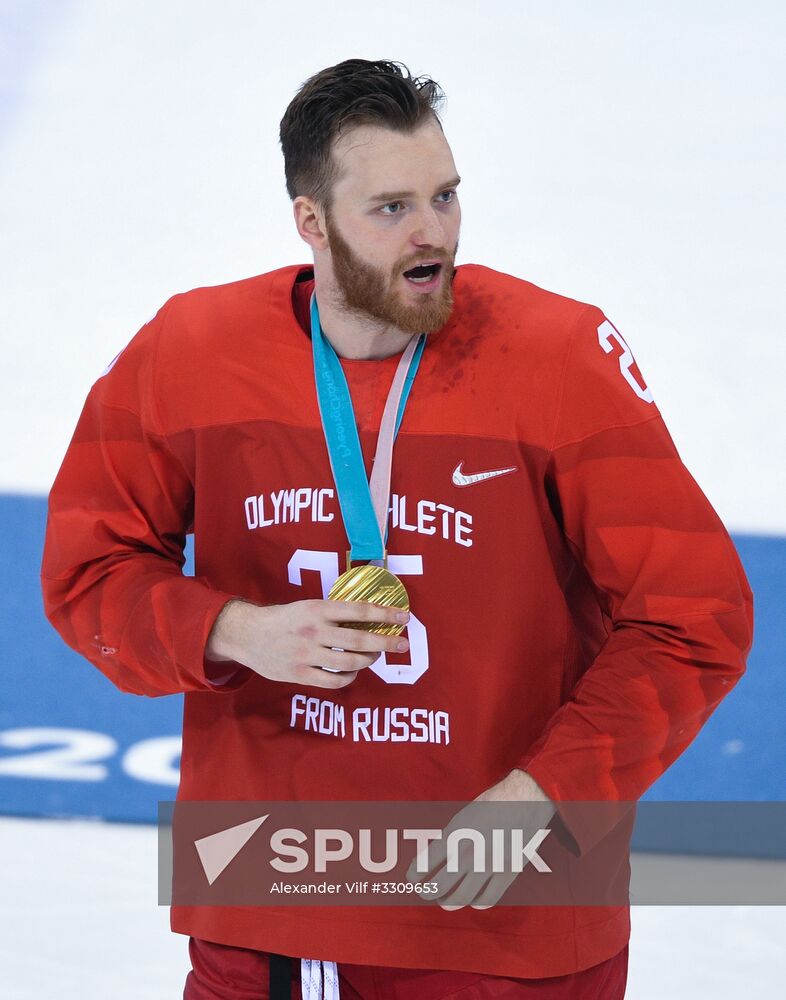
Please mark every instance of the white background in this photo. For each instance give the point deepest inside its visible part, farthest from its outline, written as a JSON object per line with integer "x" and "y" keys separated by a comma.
{"x": 626, "y": 154}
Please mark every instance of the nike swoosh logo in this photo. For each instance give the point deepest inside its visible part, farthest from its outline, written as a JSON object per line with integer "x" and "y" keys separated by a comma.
{"x": 460, "y": 479}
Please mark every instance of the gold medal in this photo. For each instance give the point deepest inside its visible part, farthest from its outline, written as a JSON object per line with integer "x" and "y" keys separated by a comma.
{"x": 375, "y": 585}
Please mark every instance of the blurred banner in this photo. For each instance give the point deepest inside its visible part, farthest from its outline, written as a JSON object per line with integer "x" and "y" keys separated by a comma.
{"x": 73, "y": 745}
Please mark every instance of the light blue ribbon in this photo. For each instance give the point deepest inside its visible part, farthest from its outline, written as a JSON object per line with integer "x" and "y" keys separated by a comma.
{"x": 343, "y": 443}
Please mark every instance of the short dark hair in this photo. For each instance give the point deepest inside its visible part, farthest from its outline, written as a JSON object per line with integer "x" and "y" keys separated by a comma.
{"x": 352, "y": 93}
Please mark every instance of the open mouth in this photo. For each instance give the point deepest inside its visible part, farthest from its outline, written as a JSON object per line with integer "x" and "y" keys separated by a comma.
{"x": 425, "y": 275}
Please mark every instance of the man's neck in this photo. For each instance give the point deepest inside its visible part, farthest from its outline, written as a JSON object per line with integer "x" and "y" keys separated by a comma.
{"x": 357, "y": 337}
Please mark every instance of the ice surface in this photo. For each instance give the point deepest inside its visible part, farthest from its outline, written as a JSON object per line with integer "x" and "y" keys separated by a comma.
{"x": 79, "y": 920}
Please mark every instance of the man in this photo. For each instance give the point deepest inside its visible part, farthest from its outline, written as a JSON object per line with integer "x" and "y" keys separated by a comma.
{"x": 577, "y": 608}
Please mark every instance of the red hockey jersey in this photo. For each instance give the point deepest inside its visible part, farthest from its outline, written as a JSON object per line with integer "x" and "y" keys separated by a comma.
{"x": 578, "y": 610}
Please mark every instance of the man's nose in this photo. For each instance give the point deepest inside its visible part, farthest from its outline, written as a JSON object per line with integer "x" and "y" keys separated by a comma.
{"x": 428, "y": 229}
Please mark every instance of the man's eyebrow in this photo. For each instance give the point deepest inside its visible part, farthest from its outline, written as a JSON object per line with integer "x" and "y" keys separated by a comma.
{"x": 395, "y": 195}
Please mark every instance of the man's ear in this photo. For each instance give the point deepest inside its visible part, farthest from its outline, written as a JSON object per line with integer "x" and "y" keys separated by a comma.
{"x": 310, "y": 222}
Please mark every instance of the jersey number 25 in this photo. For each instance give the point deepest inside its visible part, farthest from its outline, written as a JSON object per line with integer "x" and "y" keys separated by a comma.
{"x": 326, "y": 564}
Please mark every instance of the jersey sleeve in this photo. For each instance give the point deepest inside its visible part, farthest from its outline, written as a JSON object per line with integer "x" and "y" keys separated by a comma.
{"x": 675, "y": 602}
{"x": 118, "y": 515}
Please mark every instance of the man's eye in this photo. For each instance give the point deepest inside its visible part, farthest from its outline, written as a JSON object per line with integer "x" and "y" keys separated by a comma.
{"x": 393, "y": 204}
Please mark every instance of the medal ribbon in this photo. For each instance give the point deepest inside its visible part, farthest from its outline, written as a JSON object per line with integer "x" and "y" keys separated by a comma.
{"x": 364, "y": 507}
